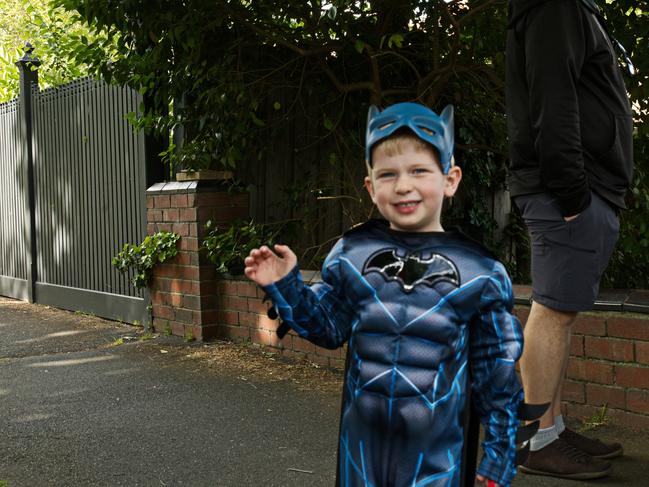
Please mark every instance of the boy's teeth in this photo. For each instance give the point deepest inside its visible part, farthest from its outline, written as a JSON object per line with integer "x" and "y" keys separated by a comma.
{"x": 407, "y": 204}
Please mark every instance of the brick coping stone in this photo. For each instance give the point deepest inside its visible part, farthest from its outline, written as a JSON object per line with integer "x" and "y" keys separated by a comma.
{"x": 620, "y": 300}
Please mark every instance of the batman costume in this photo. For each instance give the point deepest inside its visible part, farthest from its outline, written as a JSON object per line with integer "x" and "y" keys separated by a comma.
{"x": 420, "y": 313}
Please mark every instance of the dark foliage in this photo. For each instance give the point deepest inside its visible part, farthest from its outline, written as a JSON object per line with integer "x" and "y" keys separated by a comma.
{"x": 215, "y": 68}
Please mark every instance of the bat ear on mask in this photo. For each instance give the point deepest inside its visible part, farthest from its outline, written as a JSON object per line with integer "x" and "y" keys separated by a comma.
{"x": 448, "y": 115}
{"x": 372, "y": 112}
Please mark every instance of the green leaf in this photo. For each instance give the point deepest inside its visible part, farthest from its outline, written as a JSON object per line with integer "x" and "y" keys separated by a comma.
{"x": 258, "y": 122}
{"x": 396, "y": 39}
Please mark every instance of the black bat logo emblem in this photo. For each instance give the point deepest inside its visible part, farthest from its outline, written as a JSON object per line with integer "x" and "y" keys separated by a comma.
{"x": 412, "y": 269}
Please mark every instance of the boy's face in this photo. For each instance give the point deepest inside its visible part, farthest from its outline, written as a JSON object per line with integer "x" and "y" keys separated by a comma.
{"x": 409, "y": 188}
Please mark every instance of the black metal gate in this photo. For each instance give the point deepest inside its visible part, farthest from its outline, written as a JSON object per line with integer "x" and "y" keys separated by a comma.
{"x": 72, "y": 192}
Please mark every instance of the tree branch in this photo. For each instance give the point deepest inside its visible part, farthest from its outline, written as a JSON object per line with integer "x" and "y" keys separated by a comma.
{"x": 404, "y": 59}
{"x": 476, "y": 10}
{"x": 449, "y": 16}
{"x": 322, "y": 49}
{"x": 400, "y": 91}
{"x": 482, "y": 147}
{"x": 345, "y": 88}
{"x": 375, "y": 96}
{"x": 456, "y": 32}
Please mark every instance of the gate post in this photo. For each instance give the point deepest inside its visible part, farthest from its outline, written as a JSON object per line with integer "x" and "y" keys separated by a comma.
{"x": 28, "y": 67}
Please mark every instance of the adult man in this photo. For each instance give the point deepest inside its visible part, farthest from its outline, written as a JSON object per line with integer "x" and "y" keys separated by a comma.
{"x": 570, "y": 135}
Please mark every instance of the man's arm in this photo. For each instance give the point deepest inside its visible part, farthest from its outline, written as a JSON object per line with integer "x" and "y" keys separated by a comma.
{"x": 555, "y": 53}
{"x": 495, "y": 346}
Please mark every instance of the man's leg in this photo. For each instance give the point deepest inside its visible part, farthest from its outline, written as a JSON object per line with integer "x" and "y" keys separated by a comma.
{"x": 568, "y": 259}
{"x": 543, "y": 368}
{"x": 593, "y": 447}
{"x": 545, "y": 355}
{"x": 556, "y": 403}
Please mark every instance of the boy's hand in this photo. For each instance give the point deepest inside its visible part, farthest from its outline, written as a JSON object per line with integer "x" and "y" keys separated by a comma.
{"x": 486, "y": 482}
{"x": 265, "y": 266}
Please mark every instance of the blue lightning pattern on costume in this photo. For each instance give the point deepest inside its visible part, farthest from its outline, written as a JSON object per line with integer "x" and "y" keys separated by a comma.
{"x": 410, "y": 354}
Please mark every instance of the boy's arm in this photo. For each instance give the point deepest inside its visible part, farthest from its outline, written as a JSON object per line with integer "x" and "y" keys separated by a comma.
{"x": 318, "y": 313}
{"x": 496, "y": 345}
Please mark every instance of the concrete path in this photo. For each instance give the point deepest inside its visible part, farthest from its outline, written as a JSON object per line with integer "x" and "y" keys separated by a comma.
{"x": 87, "y": 402}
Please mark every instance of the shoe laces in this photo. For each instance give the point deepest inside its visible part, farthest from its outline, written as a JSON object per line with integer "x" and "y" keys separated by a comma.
{"x": 575, "y": 437}
{"x": 571, "y": 452}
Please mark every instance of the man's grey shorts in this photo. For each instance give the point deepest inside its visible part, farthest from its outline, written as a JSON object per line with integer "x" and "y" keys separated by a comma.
{"x": 568, "y": 258}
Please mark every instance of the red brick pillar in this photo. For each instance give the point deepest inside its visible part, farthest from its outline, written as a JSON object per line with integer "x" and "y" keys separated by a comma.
{"x": 184, "y": 290}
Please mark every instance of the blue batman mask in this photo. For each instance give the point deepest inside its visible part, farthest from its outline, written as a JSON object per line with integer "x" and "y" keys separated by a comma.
{"x": 435, "y": 129}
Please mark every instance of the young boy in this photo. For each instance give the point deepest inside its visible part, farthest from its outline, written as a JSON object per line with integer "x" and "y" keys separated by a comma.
{"x": 420, "y": 309}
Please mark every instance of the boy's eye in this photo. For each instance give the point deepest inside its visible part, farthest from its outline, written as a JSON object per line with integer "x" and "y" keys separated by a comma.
{"x": 420, "y": 170}
{"x": 385, "y": 175}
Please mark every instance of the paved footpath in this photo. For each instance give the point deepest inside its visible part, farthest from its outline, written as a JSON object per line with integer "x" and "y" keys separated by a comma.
{"x": 87, "y": 402}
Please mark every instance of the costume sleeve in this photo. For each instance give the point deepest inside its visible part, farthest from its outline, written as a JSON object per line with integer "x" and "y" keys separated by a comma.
{"x": 319, "y": 312}
{"x": 555, "y": 50}
{"x": 496, "y": 345}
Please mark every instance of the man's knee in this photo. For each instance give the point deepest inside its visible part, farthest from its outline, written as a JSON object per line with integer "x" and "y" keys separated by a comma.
{"x": 544, "y": 314}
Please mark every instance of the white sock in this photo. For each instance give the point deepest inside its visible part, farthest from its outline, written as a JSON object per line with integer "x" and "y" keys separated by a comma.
{"x": 543, "y": 438}
{"x": 558, "y": 422}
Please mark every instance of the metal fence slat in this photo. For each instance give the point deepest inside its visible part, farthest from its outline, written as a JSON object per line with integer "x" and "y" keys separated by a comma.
{"x": 13, "y": 261}
{"x": 90, "y": 197}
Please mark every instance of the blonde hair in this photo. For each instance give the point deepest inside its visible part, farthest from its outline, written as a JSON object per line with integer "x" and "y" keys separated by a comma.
{"x": 398, "y": 143}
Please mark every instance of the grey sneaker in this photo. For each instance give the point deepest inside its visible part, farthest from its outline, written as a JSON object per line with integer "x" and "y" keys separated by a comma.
{"x": 595, "y": 448}
{"x": 560, "y": 459}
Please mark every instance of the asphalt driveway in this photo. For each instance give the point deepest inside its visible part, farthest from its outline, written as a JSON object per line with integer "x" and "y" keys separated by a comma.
{"x": 88, "y": 402}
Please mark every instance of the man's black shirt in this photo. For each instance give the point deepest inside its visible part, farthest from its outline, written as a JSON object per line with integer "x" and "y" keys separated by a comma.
{"x": 569, "y": 117}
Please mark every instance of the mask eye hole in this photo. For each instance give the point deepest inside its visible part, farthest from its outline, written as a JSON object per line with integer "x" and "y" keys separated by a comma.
{"x": 427, "y": 130}
{"x": 386, "y": 125}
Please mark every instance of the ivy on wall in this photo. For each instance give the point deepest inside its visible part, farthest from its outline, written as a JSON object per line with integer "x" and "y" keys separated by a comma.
{"x": 142, "y": 258}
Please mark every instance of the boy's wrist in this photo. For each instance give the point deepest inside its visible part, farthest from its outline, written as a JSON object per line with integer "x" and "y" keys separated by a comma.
{"x": 288, "y": 280}
{"x": 495, "y": 471}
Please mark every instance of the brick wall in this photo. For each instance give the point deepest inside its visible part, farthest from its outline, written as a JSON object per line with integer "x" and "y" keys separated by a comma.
{"x": 609, "y": 364}
{"x": 609, "y": 357}
{"x": 184, "y": 290}
{"x": 243, "y": 318}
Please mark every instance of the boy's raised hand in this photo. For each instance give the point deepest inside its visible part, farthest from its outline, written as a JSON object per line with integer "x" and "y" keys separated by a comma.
{"x": 265, "y": 266}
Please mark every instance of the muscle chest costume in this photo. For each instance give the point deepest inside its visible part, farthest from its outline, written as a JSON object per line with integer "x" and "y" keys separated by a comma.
{"x": 420, "y": 313}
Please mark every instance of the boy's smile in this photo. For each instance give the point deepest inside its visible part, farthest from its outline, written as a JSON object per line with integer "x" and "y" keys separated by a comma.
{"x": 407, "y": 207}
{"x": 408, "y": 188}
